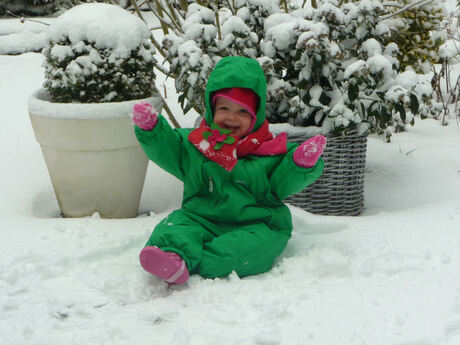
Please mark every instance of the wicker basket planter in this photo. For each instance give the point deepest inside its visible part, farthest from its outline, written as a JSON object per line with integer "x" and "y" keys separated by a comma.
{"x": 340, "y": 189}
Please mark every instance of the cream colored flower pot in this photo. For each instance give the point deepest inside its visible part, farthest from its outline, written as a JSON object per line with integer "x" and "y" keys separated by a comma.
{"x": 93, "y": 157}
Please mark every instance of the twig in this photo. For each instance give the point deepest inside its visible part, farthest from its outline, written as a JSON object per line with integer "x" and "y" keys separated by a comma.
{"x": 163, "y": 70}
{"x": 232, "y": 8}
{"x": 173, "y": 21}
{"x": 284, "y": 2}
{"x": 136, "y": 8}
{"x": 408, "y": 153}
{"x": 163, "y": 24}
{"x": 152, "y": 39}
{"x": 420, "y": 3}
{"x": 392, "y": 4}
{"x": 219, "y": 32}
{"x": 183, "y": 6}
{"x": 157, "y": 46}
{"x": 170, "y": 115}
{"x": 456, "y": 92}
{"x": 173, "y": 16}
{"x": 26, "y": 19}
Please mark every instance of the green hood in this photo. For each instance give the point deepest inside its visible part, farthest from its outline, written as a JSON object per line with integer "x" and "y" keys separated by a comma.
{"x": 237, "y": 71}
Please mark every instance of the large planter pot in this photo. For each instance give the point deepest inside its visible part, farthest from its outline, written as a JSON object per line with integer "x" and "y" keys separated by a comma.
{"x": 340, "y": 189}
{"x": 93, "y": 157}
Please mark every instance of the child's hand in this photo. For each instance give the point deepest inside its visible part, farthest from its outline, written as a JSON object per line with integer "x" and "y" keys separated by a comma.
{"x": 307, "y": 154}
{"x": 144, "y": 116}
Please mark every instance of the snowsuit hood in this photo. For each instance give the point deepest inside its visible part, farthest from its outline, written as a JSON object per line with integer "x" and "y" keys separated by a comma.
{"x": 237, "y": 71}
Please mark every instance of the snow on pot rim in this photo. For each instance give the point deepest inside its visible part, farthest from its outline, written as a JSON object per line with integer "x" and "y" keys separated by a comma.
{"x": 39, "y": 104}
{"x": 84, "y": 127}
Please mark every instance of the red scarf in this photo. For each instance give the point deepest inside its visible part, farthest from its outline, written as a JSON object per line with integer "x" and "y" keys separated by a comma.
{"x": 224, "y": 149}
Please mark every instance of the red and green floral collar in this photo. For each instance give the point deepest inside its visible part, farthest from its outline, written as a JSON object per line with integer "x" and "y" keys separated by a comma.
{"x": 218, "y": 145}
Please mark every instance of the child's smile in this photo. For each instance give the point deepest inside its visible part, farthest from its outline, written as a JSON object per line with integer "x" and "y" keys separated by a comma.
{"x": 232, "y": 116}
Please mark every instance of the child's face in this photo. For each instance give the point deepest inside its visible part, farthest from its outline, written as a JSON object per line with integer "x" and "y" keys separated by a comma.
{"x": 231, "y": 115}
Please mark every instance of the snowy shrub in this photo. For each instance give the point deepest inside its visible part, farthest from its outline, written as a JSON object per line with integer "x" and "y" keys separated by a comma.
{"x": 332, "y": 66}
{"x": 418, "y": 33}
{"x": 63, "y": 5}
{"x": 47, "y": 7}
{"x": 28, "y": 7}
{"x": 98, "y": 53}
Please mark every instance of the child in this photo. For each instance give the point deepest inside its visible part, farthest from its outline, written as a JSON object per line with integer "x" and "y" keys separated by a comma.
{"x": 235, "y": 175}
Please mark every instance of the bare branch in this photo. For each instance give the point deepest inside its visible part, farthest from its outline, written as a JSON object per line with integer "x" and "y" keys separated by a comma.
{"x": 419, "y": 3}
{"x": 219, "y": 33}
{"x": 170, "y": 115}
{"x": 26, "y": 19}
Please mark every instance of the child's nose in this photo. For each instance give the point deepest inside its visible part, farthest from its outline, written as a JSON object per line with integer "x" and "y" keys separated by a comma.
{"x": 233, "y": 116}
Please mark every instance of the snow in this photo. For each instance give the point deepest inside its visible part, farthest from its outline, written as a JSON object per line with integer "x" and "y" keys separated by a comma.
{"x": 387, "y": 277}
{"x": 372, "y": 47}
{"x": 18, "y": 38}
{"x": 380, "y": 64}
{"x": 189, "y": 53}
{"x": 39, "y": 105}
{"x": 354, "y": 67}
{"x": 93, "y": 22}
{"x": 234, "y": 24}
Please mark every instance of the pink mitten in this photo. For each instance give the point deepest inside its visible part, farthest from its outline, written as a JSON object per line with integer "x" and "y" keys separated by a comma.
{"x": 307, "y": 154}
{"x": 144, "y": 116}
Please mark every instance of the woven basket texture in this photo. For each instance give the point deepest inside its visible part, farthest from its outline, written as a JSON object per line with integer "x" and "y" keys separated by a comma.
{"x": 340, "y": 189}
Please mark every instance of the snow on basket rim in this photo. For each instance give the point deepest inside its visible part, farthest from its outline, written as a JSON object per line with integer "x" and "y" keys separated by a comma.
{"x": 101, "y": 24}
{"x": 39, "y": 104}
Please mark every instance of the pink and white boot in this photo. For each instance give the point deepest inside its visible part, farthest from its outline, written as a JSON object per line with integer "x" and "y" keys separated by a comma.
{"x": 165, "y": 265}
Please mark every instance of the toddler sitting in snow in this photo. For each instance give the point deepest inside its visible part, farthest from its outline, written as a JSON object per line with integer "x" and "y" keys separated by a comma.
{"x": 235, "y": 174}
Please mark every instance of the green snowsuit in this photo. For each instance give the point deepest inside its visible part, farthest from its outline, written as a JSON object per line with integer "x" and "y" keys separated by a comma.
{"x": 229, "y": 221}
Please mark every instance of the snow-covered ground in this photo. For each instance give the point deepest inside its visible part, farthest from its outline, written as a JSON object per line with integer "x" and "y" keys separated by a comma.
{"x": 388, "y": 277}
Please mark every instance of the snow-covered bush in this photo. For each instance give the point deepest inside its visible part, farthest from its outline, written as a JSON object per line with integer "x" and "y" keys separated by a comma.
{"x": 333, "y": 66}
{"x": 47, "y": 7}
{"x": 63, "y": 5}
{"x": 98, "y": 53}
{"x": 418, "y": 32}
{"x": 446, "y": 78}
{"x": 28, "y": 7}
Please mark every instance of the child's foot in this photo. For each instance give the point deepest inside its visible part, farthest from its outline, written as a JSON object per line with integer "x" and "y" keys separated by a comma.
{"x": 166, "y": 265}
